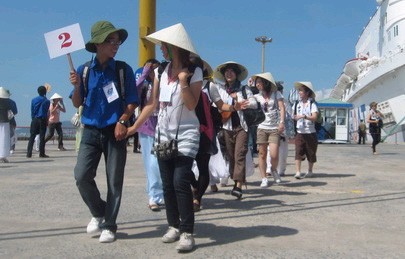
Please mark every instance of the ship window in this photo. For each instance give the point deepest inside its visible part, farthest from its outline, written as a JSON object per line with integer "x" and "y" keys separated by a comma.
{"x": 396, "y": 30}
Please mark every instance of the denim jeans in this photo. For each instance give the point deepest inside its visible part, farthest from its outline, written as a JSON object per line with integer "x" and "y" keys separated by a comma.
{"x": 154, "y": 187}
{"x": 94, "y": 143}
{"x": 176, "y": 177}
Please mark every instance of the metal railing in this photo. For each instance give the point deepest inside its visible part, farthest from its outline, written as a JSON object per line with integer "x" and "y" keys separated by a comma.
{"x": 23, "y": 133}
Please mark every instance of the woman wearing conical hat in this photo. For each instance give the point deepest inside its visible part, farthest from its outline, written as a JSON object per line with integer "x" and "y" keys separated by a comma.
{"x": 176, "y": 90}
{"x": 306, "y": 140}
{"x": 270, "y": 130}
{"x": 54, "y": 122}
{"x": 235, "y": 128}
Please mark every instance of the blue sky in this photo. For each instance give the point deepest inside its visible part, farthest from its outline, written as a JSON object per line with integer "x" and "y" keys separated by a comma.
{"x": 312, "y": 39}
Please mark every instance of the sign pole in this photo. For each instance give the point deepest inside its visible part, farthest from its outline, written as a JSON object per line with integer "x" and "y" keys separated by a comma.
{"x": 72, "y": 68}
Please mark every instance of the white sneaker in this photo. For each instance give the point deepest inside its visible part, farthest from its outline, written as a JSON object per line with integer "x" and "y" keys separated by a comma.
{"x": 107, "y": 236}
{"x": 276, "y": 176}
{"x": 186, "y": 242}
{"x": 172, "y": 235}
{"x": 298, "y": 175}
{"x": 265, "y": 183}
{"x": 93, "y": 226}
{"x": 309, "y": 174}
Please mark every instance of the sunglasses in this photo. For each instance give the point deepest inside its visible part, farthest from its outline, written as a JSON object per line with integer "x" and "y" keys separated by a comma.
{"x": 113, "y": 42}
{"x": 266, "y": 107}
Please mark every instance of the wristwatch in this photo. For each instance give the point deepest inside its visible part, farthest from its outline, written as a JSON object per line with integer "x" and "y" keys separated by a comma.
{"x": 123, "y": 122}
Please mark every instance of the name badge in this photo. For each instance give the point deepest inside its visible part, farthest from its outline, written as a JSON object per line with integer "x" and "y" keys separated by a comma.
{"x": 110, "y": 92}
{"x": 166, "y": 93}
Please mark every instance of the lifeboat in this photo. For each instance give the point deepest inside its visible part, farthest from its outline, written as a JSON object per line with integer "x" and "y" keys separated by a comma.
{"x": 343, "y": 80}
{"x": 352, "y": 68}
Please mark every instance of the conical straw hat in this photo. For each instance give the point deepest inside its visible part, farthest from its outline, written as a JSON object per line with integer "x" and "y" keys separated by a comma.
{"x": 56, "y": 96}
{"x": 267, "y": 76}
{"x": 241, "y": 76}
{"x": 175, "y": 35}
{"x": 3, "y": 93}
{"x": 308, "y": 85}
{"x": 48, "y": 87}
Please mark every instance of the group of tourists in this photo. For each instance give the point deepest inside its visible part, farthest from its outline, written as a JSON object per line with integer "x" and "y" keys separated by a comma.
{"x": 186, "y": 145}
{"x": 169, "y": 124}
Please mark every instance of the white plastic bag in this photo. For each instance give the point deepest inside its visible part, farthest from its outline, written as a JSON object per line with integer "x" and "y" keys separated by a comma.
{"x": 75, "y": 120}
{"x": 10, "y": 114}
{"x": 217, "y": 166}
{"x": 195, "y": 170}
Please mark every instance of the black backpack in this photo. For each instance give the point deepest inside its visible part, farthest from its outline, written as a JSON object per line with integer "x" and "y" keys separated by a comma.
{"x": 318, "y": 121}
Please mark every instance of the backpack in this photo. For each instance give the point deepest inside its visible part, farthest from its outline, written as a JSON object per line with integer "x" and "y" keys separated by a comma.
{"x": 203, "y": 113}
{"x": 120, "y": 70}
{"x": 207, "y": 137}
{"x": 318, "y": 121}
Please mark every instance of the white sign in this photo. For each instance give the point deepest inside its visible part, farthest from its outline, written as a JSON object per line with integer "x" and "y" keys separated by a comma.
{"x": 64, "y": 40}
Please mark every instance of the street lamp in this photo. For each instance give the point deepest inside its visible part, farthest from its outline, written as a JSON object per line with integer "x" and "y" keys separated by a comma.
{"x": 263, "y": 40}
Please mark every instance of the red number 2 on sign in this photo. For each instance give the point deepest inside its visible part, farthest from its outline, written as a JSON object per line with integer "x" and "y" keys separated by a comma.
{"x": 66, "y": 42}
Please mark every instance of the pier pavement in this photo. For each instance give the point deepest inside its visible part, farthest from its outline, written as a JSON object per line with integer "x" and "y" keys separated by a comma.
{"x": 354, "y": 207}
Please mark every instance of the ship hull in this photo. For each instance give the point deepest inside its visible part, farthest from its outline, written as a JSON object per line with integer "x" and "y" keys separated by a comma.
{"x": 377, "y": 74}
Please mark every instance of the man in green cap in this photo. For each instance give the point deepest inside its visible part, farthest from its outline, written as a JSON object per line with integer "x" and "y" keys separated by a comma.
{"x": 108, "y": 103}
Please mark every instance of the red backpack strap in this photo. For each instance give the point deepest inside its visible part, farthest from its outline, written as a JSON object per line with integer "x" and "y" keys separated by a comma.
{"x": 208, "y": 127}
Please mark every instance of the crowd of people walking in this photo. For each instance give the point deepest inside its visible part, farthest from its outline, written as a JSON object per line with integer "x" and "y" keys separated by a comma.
{"x": 182, "y": 155}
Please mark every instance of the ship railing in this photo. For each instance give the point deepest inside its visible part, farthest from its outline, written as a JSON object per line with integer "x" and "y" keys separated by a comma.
{"x": 23, "y": 133}
{"x": 393, "y": 130}
{"x": 389, "y": 130}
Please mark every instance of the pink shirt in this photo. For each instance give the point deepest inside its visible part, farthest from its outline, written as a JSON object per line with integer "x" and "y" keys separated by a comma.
{"x": 54, "y": 111}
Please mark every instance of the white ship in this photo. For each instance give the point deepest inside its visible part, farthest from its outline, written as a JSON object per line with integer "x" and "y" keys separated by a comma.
{"x": 377, "y": 73}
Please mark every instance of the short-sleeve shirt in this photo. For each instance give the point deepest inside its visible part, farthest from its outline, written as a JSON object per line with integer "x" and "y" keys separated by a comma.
{"x": 174, "y": 115}
{"x": 54, "y": 116}
{"x": 305, "y": 126}
{"x": 272, "y": 119}
{"x": 226, "y": 98}
{"x": 97, "y": 111}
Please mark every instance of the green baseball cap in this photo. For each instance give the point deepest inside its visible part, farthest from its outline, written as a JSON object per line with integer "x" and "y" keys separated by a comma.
{"x": 100, "y": 31}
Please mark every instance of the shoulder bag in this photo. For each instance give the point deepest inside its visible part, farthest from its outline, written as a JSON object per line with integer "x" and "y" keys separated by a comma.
{"x": 253, "y": 117}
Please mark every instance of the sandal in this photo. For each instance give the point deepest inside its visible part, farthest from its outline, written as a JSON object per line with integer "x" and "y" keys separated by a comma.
{"x": 154, "y": 207}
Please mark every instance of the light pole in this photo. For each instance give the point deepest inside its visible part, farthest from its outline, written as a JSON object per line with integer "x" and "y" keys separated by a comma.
{"x": 263, "y": 40}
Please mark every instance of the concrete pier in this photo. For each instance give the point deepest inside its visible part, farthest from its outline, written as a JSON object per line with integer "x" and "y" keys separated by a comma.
{"x": 354, "y": 207}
